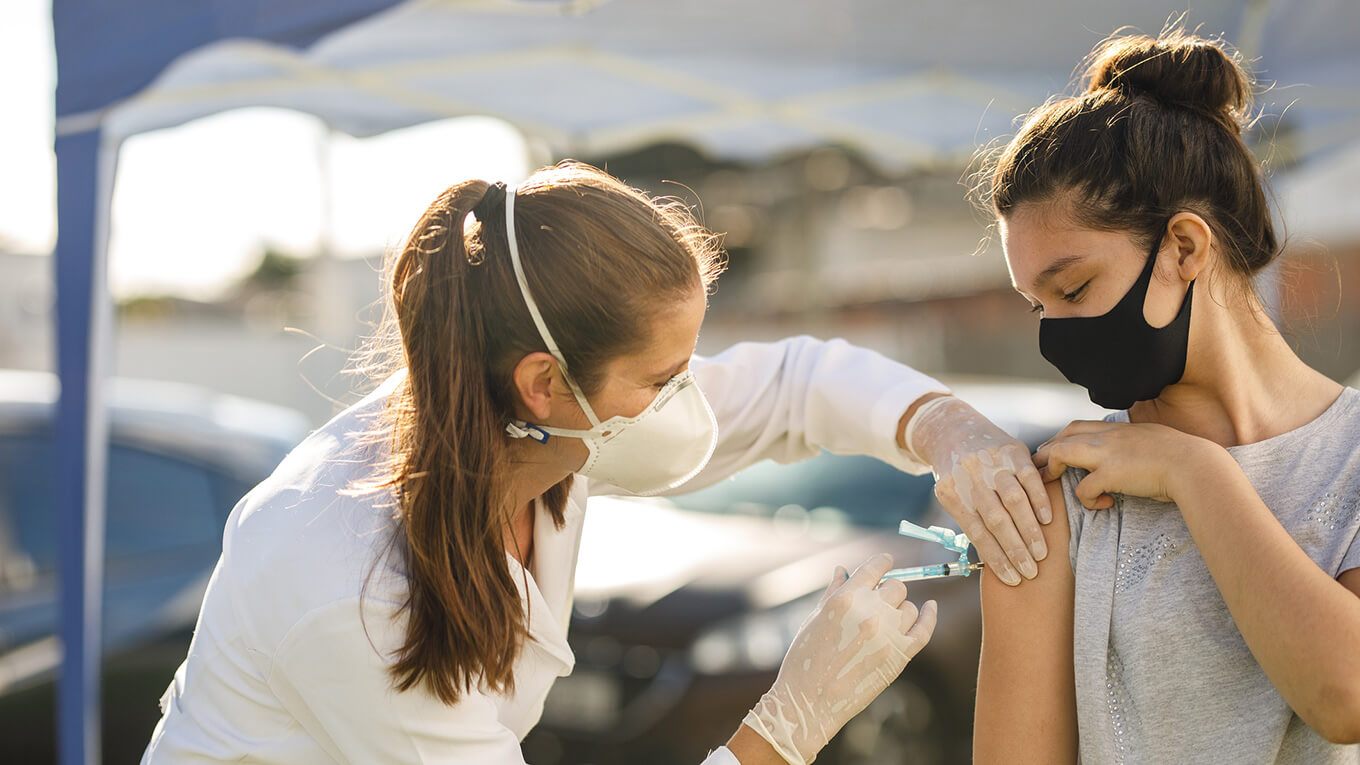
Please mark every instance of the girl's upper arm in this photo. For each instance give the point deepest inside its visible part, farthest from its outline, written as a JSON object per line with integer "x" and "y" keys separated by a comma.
{"x": 1026, "y": 700}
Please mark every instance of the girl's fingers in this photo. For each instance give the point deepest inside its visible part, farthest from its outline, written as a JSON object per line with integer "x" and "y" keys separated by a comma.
{"x": 1040, "y": 458}
{"x": 1083, "y": 427}
{"x": 1091, "y": 492}
{"x": 1071, "y": 452}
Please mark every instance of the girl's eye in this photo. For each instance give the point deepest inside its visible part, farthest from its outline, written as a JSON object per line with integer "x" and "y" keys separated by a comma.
{"x": 1075, "y": 294}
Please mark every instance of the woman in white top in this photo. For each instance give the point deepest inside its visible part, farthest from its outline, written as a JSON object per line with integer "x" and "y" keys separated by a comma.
{"x": 399, "y": 590}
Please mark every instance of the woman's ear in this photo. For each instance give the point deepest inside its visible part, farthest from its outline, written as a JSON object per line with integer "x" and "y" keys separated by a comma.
{"x": 1192, "y": 238}
{"x": 533, "y": 378}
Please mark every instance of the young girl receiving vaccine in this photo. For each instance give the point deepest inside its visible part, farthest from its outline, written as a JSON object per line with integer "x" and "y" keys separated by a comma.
{"x": 1209, "y": 607}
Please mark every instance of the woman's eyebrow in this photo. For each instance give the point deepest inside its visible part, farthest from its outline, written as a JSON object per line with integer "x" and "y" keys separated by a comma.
{"x": 1055, "y": 268}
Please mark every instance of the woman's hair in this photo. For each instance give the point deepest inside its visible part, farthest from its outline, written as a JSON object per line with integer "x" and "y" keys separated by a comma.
{"x": 600, "y": 259}
{"x": 1158, "y": 130}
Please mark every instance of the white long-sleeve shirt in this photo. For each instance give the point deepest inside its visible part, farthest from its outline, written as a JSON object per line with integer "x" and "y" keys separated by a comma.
{"x": 285, "y": 668}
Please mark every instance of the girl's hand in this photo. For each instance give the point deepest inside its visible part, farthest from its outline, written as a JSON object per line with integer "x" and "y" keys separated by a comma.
{"x": 1139, "y": 459}
{"x": 987, "y": 483}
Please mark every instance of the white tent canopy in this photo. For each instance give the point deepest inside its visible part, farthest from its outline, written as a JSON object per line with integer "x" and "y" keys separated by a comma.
{"x": 903, "y": 83}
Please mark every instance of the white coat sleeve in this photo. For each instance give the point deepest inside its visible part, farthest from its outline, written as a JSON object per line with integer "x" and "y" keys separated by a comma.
{"x": 336, "y": 685}
{"x": 788, "y": 400}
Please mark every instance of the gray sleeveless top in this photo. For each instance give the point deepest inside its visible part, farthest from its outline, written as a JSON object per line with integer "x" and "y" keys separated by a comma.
{"x": 1163, "y": 675}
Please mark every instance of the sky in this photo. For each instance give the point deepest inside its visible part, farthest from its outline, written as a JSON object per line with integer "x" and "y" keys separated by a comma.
{"x": 195, "y": 206}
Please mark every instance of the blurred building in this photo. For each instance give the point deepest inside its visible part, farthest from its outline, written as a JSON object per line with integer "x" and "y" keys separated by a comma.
{"x": 26, "y": 313}
{"x": 820, "y": 243}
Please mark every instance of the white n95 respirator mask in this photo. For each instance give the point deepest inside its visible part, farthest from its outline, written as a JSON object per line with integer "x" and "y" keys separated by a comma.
{"x": 664, "y": 446}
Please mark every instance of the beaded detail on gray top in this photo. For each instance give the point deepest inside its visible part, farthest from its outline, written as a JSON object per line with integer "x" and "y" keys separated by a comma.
{"x": 1163, "y": 675}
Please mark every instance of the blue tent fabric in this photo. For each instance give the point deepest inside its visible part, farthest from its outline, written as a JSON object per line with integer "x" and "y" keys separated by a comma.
{"x": 108, "y": 50}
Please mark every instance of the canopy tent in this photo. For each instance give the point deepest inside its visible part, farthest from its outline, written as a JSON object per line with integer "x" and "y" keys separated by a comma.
{"x": 906, "y": 84}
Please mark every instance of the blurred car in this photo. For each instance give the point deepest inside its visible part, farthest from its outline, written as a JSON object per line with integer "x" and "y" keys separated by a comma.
{"x": 179, "y": 459}
{"x": 686, "y": 606}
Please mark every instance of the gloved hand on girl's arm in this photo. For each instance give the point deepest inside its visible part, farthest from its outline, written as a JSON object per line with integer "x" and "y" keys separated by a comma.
{"x": 985, "y": 479}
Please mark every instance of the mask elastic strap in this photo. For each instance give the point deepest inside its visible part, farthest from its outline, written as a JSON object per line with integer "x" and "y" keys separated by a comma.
{"x": 533, "y": 307}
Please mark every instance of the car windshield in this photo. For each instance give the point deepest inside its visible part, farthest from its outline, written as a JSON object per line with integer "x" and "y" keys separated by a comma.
{"x": 861, "y": 490}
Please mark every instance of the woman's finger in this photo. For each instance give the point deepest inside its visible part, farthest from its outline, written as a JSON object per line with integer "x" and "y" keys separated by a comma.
{"x": 924, "y": 627}
{"x": 871, "y": 570}
{"x": 892, "y": 591}
{"x": 1033, "y": 484}
{"x": 1017, "y": 503}
{"x": 1003, "y": 530}
{"x": 838, "y": 577}
{"x": 908, "y": 613}
{"x": 989, "y": 550}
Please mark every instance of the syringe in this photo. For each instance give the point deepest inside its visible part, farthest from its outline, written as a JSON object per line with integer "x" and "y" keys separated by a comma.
{"x": 937, "y": 571}
{"x": 946, "y": 538}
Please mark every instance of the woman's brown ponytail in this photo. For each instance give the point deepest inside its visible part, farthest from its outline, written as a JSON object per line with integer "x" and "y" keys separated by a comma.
{"x": 455, "y": 560}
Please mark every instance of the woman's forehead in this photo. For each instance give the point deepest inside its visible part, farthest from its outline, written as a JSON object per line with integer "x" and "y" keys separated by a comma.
{"x": 673, "y": 333}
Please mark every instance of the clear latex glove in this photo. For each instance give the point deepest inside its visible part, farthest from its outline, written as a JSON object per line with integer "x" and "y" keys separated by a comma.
{"x": 987, "y": 482}
{"x": 856, "y": 642}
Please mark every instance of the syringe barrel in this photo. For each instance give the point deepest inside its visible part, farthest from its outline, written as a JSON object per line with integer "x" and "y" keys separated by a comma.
{"x": 921, "y": 572}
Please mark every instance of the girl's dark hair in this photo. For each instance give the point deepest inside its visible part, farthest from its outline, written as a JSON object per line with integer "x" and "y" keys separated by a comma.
{"x": 600, "y": 259}
{"x": 1158, "y": 130}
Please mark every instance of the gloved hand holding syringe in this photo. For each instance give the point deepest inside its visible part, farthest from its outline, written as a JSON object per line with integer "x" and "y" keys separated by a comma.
{"x": 949, "y": 540}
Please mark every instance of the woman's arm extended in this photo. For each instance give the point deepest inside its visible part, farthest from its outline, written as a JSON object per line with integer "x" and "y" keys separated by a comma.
{"x": 789, "y": 400}
{"x": 1026, "y": 695}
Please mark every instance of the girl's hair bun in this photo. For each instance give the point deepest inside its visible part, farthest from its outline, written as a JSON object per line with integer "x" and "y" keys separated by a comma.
{"x": 1176, "y": 69}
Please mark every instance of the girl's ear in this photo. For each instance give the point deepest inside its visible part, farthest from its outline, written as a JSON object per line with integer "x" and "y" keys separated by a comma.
{"x": 533, "y": 379}
{"x": 1193, "y": 239}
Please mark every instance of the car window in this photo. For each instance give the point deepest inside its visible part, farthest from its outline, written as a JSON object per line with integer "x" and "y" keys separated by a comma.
{"x": 154, "y": 502}
{"x": 866, "y": 491}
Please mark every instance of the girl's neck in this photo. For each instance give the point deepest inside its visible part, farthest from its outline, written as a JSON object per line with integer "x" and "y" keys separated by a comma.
{"x": 1242, "y": 381}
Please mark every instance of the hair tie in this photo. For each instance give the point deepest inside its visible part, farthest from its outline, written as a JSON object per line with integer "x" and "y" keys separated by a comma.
{"x": 491, "y": 199}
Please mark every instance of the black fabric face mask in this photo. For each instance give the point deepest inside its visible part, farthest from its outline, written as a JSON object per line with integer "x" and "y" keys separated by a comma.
{"x": 1118, "y": 357}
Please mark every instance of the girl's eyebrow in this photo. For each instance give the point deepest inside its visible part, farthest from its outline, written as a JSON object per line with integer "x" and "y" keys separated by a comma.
{"x": 1055, "y": 268}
